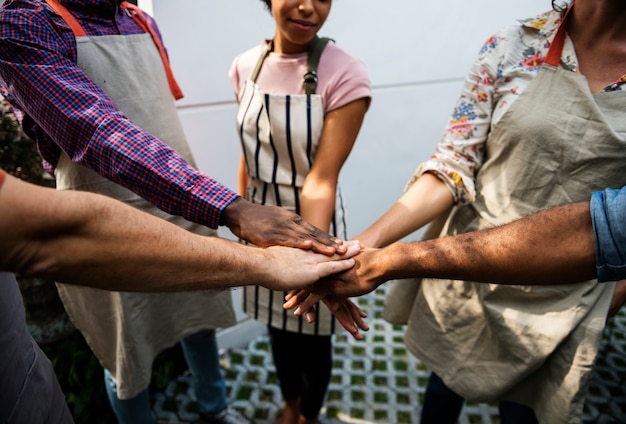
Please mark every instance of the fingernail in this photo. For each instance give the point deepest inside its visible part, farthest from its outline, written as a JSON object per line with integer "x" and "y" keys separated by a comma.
{"x": 309, "y": 317}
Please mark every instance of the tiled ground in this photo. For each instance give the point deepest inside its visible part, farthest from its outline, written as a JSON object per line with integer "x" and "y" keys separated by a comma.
{"x": 378, "y": 381}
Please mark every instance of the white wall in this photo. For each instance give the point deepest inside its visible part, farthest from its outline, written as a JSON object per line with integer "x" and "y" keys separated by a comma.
{"x": 417, "y": 54}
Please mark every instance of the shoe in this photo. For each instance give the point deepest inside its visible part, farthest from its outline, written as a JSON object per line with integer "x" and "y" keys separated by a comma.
{"x": 227, "y": 416}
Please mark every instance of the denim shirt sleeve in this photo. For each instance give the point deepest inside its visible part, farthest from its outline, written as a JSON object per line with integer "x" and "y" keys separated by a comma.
{"x": 608, "y": 214}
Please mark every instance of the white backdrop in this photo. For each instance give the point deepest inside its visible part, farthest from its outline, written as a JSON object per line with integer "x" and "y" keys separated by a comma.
{"x": 417, "y": 54}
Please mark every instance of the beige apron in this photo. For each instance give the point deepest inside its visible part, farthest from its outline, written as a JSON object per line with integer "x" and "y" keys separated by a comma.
{"x": 535, "y": 345}
{"x": 127, "y": 330}
{"x": 280, "y": 135}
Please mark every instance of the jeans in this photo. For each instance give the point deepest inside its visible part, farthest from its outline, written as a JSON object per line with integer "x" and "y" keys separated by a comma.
{"x": 443, "y": 406}
{"x": 202, "y": 356}
{"x": 608, "y": 213}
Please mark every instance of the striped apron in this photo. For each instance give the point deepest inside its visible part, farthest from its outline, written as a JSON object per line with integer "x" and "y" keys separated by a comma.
{"x": 279, "y": 136}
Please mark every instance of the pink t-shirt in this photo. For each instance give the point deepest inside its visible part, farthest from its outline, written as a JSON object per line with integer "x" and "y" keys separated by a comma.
{"x": 341, "y": 78}
{"x": 2, "y": 176}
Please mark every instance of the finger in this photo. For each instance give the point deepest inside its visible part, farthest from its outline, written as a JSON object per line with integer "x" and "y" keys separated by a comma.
{"x": 293, "y": 293}
{"x": 299, "y": 243}
{"x": 333, "y": 267}
{"x": 340, "y": 245}
{"x": 348, "y": 323}
{"x": 357, "y": 316}
{"x": 333, "y": 303}
{"x": 321, "y": 242}
{"x": 307, "y": 303}
{"x": 322, "y": 248}
{"x": 296, "y": 299}
{"x": 344, "y": 318}
{"x": 353, "y": 248}
{"x": 310, "y": 315}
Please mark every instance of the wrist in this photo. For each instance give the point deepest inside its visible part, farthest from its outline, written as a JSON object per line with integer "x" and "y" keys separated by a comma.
{"x": 401, "y": 261}
{"x": 231, "y": 214}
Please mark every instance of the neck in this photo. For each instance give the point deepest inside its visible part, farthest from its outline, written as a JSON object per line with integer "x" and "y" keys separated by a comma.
{"x": 595, "y": 20}
{"x": 283, "y": 46}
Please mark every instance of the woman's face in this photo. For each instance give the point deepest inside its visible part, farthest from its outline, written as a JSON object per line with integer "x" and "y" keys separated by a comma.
{"x": 297, "y": 22}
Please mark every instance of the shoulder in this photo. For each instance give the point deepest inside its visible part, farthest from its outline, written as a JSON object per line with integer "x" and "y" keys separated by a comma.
{"x": 242, "y": 66}
{"x": 25, "y": 12}
{"x": 249, "y": 57}
{"x": 524, "y": 40}
{"x": 33, "y": 23}
{"x": 337, "y": 59}
{"x": 32, "y": 5}
{"x": 342, "y": 78}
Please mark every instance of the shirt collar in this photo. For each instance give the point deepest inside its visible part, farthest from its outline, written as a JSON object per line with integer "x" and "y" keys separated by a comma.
{"x": 546, "y": 23}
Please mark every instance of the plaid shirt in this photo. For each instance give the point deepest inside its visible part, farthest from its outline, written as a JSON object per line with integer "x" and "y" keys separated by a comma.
{"x": 63, "y": 110}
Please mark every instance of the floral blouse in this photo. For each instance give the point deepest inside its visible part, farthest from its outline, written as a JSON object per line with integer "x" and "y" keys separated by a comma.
{"x": 505, "y": 66}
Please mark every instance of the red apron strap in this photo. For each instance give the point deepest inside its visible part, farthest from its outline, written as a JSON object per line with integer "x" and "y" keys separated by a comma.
{"x": 140, "y": 19}
{"x": 556, "y": 47}
{"x": 3, "y": 175}
{"x": 67, "y": 17}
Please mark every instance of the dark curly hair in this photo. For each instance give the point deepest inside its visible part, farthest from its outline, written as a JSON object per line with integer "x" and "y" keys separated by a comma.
{"x": 268, "y": 4}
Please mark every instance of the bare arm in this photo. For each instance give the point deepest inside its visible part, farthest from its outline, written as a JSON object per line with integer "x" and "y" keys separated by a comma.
{"x": 424, "y": 201}
{"x": 83, "y": 238}
{"x": 242, "y": 177}
{"x": 341, "y": 127}
{"x": 555, "y": 246}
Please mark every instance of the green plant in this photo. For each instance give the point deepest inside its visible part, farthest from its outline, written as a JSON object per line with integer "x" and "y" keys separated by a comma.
{"x": 81, "y": 378}
{"x": 18, "y": 153}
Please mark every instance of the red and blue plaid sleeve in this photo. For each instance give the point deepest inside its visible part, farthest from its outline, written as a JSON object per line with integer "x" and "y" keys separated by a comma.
{"x": 63, "y": 110}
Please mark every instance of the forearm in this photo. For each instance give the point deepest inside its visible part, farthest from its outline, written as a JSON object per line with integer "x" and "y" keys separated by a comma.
{"x": 555, "y": 246}
{"x": 425, "y": 200}
{"x": 150, "y": 256}
{"x": 243, "y": 179}
{"x": 318, "y": 204}
{"x": 81, "y": 238}
{"x": 67, "y": 112}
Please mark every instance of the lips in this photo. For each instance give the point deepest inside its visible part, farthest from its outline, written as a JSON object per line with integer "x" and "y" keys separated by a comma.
{"x": 303, "y": 25}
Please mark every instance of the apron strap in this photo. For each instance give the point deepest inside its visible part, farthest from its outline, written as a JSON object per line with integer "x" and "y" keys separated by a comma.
{"x": 139, "y": 18}
{"x": 556, "y": 47}
{"x": 76, "y": 28}
{"x": 269, "y": 46}
{"x": 310, "y": 77}
{"x": 315, "y": 52}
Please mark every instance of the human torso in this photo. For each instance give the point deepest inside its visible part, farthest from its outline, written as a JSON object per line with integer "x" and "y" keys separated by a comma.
{"x": 507, "y": 63}
{"x": 127, "y": 330}
{"x": 280, "y": 129}
{"x": 556, "y": 143}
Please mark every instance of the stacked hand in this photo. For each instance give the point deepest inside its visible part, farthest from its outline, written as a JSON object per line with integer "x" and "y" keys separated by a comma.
{"x": 270, "y": 225}
{"x": 335, "y": 291}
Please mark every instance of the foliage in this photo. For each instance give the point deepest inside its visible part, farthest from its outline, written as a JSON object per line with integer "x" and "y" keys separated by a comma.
{"x": 81, "y": 378}
{"x": 18, "y": 153}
